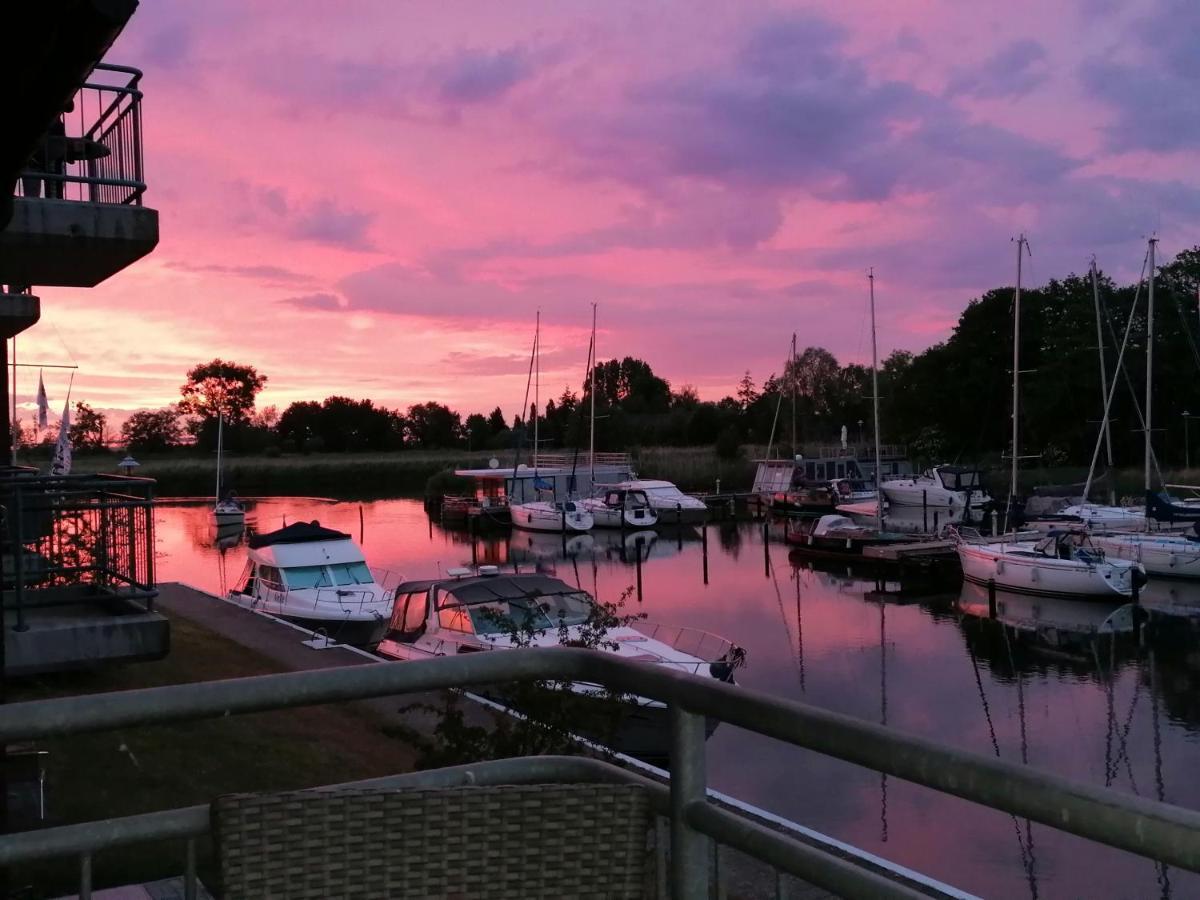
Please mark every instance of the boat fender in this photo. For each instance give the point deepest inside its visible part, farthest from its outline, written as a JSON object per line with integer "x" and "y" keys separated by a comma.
{"x": 723, "y": 668}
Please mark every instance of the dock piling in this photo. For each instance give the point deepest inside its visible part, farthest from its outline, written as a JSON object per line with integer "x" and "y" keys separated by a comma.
{"x": 925, "y": 511}
{"x": 704, "y": 545}
{"x": 991, "y": 586}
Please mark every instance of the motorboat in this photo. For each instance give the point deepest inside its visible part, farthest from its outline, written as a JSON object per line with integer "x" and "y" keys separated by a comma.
{"x": 669, "y": 503}
{"x": 946, "y": 487}
{"x": 621, "y": 508}
{"x": 847, "y": 492}
{"x": 1173, "y": 555}
{"x": 317, "y": 578}
{"x": 547, "y": 515}
{"x": 836, "y": 536}
{"x": 1061, "y": 563}
{"x": 229, "y": 513}
{"x": 483, "y": 609}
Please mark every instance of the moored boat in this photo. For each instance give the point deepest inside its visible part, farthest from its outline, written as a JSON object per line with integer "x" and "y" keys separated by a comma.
{"x": 317, "y": 578}
{"x": 621, "y": 508}
{"x": 545, "y": 515}
{"x": 669, "y": 503}
{"x": 1061, "y": 563}
{"x": 481, "y": 610}
{"x": 836, "y": 536}
{"x": 1171, "y": 555}
{"x": 949, "y": 487}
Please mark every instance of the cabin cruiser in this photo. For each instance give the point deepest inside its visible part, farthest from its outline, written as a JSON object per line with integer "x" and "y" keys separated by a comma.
{"x": 478, "y": 610}
{"x": 317, "y": 578}
{"x": 546, "y": 515}
{"x": 949, "y": 487}
{"x": 669, "y": 503}
{"x": 848, "y": 491}
{"x": 621, "y": 508}
{"x": 1061, "y": 563}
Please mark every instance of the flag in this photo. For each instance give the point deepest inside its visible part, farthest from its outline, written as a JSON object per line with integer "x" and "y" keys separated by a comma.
{"x": 61, "y": 464}
{"x": 43, "y": 404}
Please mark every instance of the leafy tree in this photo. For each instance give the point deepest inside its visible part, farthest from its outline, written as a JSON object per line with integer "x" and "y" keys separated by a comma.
{"x": 152, "y": 430}
{"x": 478, "y": 430}
{"x": 221, "y": 388}
{"x": 88, "y": 428}
{"x": 746, "y": 392}
{"x": 496, "y": 421}
{"x": 433, "y": 426}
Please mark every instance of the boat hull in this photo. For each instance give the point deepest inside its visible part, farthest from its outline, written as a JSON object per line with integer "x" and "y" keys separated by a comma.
{"x": 1170, "y": 557}
{"x": 226, "y": 519}
{"x": 608, "y": 517}
{"x": 681, "y": 515}
{"x": 355, "y": 632}
{"x": 534, "y": 519}
{"x": 1045, "y": 576}
{"x": 932, "y": 496}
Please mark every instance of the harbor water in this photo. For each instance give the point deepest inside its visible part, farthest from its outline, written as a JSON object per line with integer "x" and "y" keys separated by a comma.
{"x": 1038, "y": 682}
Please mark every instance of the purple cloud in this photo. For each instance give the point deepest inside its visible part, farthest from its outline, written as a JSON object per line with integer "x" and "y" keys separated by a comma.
{"x": 1012, "y": 71}
{"x": 319, "y": 301}
{"x": 477, "y": 76}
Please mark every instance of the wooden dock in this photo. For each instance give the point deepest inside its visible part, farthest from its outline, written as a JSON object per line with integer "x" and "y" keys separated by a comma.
{"x": 901, "y": 552}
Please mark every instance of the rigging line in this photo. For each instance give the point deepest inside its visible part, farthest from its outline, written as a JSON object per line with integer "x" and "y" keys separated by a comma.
{"x": 525, "y": 412}
{"x": 63, "y": 341}
{"x": 987, "y": 714}
{"x": 778, "y": 403}
{"x": 1111, "y": 717}
{"x": 1123, "y": 737}
{"x": 1187, "y": 329}
{"x": 783, "y": 615}
{"x": 1024, "y": 745}
{"x": 1112, "y": 388}
{"x": 1164, "y": 879}
{"x": 883, "y": 713}
{"x": 799, "y": 628}
{"x": 579, "y": 422}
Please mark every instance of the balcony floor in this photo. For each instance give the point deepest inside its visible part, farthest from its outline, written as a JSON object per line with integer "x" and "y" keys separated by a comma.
{"x": 167, "y": 889}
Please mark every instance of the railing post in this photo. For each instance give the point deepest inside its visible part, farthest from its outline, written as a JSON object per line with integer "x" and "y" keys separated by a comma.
{"x": 689, "y": 859}
{"x": 85, "y": 876}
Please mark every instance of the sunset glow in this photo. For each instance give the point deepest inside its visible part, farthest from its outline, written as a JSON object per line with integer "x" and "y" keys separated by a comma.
{"x": 372, "y": 199}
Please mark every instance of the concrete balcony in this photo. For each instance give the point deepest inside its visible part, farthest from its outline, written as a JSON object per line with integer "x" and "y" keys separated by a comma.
{"x": 78, "y": 215}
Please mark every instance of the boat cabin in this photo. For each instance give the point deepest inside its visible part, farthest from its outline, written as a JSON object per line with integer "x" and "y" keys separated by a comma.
{"x": 306, "y": 556}
{"x": 499, "y": 486}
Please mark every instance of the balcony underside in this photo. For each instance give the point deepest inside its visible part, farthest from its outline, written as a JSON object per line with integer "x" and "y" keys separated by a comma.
{"x": 69, "y": 243}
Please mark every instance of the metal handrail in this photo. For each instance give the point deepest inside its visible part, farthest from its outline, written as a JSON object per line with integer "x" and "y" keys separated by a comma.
{"x": 1149, "y": 828}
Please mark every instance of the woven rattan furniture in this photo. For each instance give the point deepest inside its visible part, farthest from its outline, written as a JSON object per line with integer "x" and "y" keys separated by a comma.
{"x": 552, "y": 840}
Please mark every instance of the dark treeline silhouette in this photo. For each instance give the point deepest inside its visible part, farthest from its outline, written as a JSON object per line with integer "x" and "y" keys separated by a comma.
{"x": 951, "y": 401}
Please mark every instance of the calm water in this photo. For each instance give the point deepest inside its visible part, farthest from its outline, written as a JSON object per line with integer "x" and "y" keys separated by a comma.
{"x": 933, "y": 666}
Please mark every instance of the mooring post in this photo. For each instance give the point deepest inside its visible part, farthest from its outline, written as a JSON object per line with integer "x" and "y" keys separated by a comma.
{"x": 563, "y": 523}
{"x": 767, "y": 545}
{"x": 991, "y": 586}
{"x": 936, "y": 515}
{"x": 639, "y": 569}
{"x": 679, "y": 525}
{"x": 704, "y": 544}
{"x": 995, "y": 524}
{"x": 360, "y": 524}
{"x": 925, "y": 511}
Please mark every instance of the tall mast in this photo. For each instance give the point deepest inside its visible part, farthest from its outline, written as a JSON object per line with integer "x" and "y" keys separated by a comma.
{"x": 537, "y": 378}
{"x": 792, "y": 379}
{"x": 1103, "y": 381}
{"x": 875, "y": 399}
{"x": 1150, "y": 363}
{"x": 592, "y": 391}
{"x": 1016, "y": 378}
{"x": 220, "y": 441}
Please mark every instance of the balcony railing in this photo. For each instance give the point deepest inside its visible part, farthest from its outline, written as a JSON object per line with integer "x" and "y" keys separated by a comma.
{"x": 63, "y": 533}
{"x": 93, "y": 153}
{"x": 1161, "y": 832}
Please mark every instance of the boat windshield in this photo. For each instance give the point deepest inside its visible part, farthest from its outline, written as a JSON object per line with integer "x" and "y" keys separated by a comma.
{"x": 567, "y": 609}
{"x": 351, "y": 573}
{"x": 500, "y": 616}
{"x": 306, "y": 577}
{"x": 671, "y": 491}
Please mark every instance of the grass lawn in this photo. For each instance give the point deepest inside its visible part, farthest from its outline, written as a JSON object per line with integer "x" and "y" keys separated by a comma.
{"x": 133, "y": 770}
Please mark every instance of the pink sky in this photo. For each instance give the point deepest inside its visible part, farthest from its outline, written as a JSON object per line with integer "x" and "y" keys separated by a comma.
{"x": 372, "y": 198}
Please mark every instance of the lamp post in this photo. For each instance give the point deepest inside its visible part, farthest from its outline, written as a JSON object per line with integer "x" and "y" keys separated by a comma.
{"x": 861, "y": 439}
{"x": 1187, "y": 450}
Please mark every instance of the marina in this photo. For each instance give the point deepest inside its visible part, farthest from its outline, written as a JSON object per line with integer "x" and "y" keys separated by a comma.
{"x": 846, "y": 640}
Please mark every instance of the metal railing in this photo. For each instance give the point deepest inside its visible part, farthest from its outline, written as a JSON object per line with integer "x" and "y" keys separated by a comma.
{"x": 704, "y": 645}
{"x": 93, "y": 153}
{"x": 565, "y": 459}
{"x": 1165, "y": 833}
{"x": 60, "y": 532}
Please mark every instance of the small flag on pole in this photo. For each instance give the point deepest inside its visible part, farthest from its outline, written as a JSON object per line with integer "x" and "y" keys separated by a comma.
{"x": 61, "y": 464}
{"x": 43, "y": 404}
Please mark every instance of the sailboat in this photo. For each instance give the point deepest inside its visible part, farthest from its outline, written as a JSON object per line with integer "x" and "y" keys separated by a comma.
{"x": 1063, "y": 563}
{"x": 227, "y": 512}
{"x": 546, "y": 515}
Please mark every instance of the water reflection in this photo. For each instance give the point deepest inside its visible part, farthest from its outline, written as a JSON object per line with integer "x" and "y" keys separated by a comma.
{"x": 1048, "y": 682}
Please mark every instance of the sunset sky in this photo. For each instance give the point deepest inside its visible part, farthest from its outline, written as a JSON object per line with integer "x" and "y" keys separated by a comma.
{"x": 373, "y": 198}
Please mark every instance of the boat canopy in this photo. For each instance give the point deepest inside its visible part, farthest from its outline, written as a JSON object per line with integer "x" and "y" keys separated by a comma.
{"x": 959, "y": 478}
{"x": 491, "y": 588}
{"x": 297, "y": 533}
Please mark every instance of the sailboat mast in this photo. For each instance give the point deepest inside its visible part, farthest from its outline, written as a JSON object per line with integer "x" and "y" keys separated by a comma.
{"x": 537, "y": 379}
{"x": 1016, "y": 376}
{"x": 592, "y": 426}
{"x": 875, "y": 400}
{"x": 792, "y": 379}
{"x": 1103, "y": 377}
{"x": 1150, "y": 364}
{"x": 220, "y": 441}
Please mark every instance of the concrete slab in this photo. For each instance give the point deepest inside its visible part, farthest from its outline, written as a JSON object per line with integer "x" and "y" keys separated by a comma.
{"x": 69, "y": 243}
{"x": 83, "y": 635}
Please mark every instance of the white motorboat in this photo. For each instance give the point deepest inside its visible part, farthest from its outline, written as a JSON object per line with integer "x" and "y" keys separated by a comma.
{"x": 544, "y": 515}
{"x": 946, "y": 487}
{"x": 1062, "y": 563}
{"x": 317, "y": 578}
{"x": 847, "y": 492}
{"x": 620, "y": 508}
{"x": 481, "y": 609}
{"x": 669, "y": 503}
{"x": 1175, "y": 555}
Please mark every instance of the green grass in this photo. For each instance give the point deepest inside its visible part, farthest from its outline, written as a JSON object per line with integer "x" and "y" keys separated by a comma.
{"x": 141, "y": 769}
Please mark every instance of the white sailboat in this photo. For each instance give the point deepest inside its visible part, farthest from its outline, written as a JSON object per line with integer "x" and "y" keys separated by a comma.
{"x": 227, "y": 511}
{"x": 546, "y": 515}
{"x": 1063, "y": 563}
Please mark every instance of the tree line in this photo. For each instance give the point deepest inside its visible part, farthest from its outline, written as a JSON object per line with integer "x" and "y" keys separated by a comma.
{"x": 949, "y": 402}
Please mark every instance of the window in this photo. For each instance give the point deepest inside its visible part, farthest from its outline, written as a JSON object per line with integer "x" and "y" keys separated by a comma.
{"x": 570, "y": 609}
{"x": 408, "y": 612}
{"x": 454, "y": 618}
{"x": 307, "y": 577}
{"x": 270, "y": 575}
{"x": 351, "y": 573}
